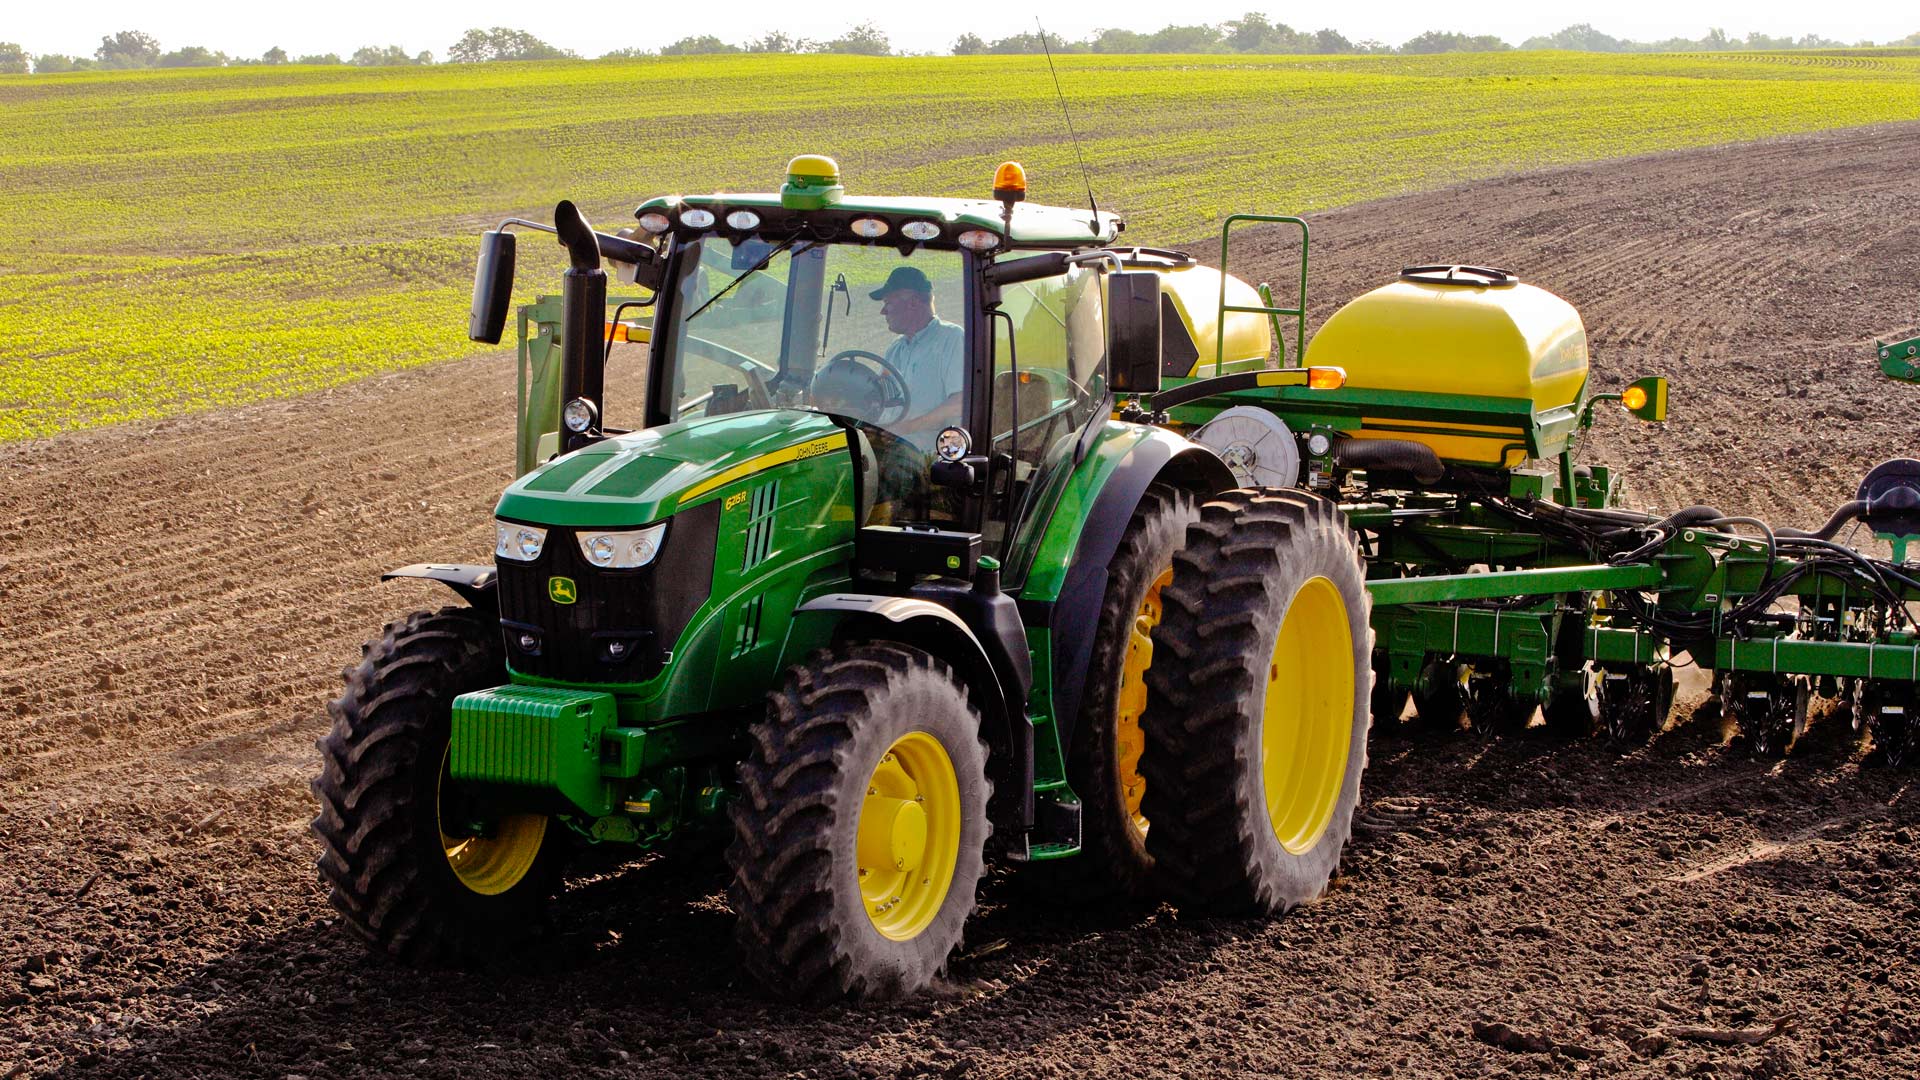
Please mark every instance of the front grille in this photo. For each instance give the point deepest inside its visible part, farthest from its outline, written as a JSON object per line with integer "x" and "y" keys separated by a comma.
{"x": 622, "y": 624}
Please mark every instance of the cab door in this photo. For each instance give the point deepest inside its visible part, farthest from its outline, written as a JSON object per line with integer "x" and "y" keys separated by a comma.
{"x": 1049, "y": 381}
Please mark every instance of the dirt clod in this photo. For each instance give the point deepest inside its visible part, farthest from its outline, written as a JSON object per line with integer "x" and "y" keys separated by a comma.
{"x": 1505, "y": 1037}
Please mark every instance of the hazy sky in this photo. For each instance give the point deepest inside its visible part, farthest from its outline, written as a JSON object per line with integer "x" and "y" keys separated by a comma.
{"x": 591, "y": 27}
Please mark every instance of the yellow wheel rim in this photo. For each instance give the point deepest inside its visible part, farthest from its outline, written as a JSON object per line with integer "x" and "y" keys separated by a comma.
{"x": 1131, "y": 702}
{"x": 908, "y": 835}
{"x": 1308, "y": 725}
{"x": 494, "y": 861}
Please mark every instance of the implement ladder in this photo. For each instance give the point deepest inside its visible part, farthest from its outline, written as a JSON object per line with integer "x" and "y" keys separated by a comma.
{"x": 1298, "y": 312}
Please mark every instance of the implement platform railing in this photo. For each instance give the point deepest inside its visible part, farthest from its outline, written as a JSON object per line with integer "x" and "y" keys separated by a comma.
{"x": 1298, "y": 312}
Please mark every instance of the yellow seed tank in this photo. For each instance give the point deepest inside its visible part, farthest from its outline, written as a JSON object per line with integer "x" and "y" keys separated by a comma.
{"x": 1513, "y": 352}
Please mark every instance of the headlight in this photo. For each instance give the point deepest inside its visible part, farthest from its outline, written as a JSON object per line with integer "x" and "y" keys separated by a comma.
{"x": 920, "y": 230}
{"x": 744, "y": 220}
{"x": 579, "y": 416}
{"x": 622, "y": 550}
{"x": 655, "y": 222}
{"x": 696, "y": 218}
{"x": 869, "y": 227}
{"x": 520, "y": 543}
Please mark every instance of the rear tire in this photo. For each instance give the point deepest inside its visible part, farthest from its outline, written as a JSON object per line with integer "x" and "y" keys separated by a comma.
{"x": 1258, "y": 703}
{"x": 421, "y": 876}
{"x": 869, "y": 755}
{"x": 1103, "y": 764}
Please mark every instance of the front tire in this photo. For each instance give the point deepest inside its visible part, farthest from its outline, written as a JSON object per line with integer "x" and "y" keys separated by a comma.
{"x": 1259, "y": 700}
{"x": 416, "y": 870}
{"x": 860, "y": 833}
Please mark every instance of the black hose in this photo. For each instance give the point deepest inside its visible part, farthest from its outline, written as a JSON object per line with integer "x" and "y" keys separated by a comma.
{"x": 1399, "y": 455}
{"x": 1773, "y": 542}
{"x": 1847, "y": 512}
{"x": 1692, "y": 515}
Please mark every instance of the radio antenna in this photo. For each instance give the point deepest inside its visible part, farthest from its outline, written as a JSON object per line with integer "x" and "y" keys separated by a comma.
{"x": 1084, "y": 175}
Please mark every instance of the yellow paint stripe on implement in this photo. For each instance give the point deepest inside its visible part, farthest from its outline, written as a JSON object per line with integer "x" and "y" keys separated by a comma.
{"x": 798, "y": 452}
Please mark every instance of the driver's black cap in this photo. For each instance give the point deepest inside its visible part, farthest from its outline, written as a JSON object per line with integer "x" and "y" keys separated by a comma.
{"x": 904, "y": 277}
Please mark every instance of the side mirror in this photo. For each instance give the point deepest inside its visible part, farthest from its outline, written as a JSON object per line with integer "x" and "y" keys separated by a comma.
{"x": 492, "y": 288}
{"x": 1133, "y": 332}
{"x": 634, "y": 263}
{"x": 1031, "y": 268}
{"x": 1646, "y": 398}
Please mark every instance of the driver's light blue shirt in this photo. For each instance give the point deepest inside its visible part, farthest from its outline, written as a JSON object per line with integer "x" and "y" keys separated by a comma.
{"x": 933, "y": 363}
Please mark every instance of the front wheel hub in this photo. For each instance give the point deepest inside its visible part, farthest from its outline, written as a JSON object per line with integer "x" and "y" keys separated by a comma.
{"x": 908, "y": 836}
{"x": 893, "y": 833}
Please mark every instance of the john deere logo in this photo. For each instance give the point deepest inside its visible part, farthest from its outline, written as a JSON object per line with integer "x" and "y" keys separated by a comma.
{"x": 560, "y": 590}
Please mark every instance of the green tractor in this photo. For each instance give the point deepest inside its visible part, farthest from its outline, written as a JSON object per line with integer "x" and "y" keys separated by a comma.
{"x": 872, "y": 582}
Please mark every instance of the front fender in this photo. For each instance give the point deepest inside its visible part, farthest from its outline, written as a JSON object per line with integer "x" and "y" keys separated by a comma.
{"x": 991, "y": 666}
{"x": 474, "y": 583}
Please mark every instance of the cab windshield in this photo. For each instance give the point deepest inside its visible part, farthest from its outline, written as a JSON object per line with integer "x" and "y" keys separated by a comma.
{"x": 863, "y": 332}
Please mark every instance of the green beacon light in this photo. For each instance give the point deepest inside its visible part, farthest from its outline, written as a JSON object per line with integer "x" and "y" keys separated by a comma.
{"x": 813, "y": 183}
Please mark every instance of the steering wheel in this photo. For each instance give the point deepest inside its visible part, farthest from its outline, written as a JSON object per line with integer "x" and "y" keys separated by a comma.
{"x": 891, "y": 380}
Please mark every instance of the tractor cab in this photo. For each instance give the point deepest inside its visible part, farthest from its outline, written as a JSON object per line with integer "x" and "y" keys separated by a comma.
{"x": 964, "y": 345}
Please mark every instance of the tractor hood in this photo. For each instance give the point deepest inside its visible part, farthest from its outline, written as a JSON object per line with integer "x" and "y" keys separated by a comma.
{"x": 648, "y": 475}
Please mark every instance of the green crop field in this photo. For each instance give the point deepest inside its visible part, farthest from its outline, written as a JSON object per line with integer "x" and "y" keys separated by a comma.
{"x": 177, "y": 240}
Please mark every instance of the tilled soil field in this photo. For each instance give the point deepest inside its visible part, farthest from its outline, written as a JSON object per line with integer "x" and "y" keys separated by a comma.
{"x": 176, "y": 600}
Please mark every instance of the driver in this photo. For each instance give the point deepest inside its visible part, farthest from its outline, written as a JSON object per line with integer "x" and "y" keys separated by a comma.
{"x": 929, "y": 354}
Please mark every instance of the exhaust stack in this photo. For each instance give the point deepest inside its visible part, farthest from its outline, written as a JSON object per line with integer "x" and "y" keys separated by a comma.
{"x": 584, "y": 293}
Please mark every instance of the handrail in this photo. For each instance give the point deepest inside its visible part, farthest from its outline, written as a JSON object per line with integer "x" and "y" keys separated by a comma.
{"x": 1298, "y": 314}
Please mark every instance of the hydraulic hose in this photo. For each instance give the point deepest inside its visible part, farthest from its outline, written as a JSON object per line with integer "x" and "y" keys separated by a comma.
{"x": 1399, "y": 455}
{"x": 1692, "y": 515}
{"x": 1847, "y": 512}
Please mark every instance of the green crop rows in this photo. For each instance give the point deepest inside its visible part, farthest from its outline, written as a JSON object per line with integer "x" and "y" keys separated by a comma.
{"x": 176, "y": 240}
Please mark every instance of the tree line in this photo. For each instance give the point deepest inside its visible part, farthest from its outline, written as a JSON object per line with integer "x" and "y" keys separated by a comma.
{"x": 130, "y": 49}
{"x": 1251, "y": 33}
{"x": 1256, "y": 33}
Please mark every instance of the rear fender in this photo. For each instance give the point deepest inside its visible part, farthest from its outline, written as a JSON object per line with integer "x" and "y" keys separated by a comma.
{"x": 1072, "y": 616}
{"x": 474, "y": 583}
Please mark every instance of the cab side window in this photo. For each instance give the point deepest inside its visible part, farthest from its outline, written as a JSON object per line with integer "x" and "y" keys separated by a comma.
{"x": 1049, "y": 381}
{"x": 1050, "y": 372}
